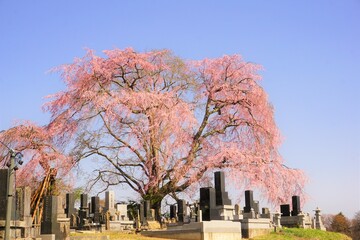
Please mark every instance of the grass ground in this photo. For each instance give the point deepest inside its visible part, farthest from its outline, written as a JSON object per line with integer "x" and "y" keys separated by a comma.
{"x": 284, "y": 234}
{"x": 303, "y": 234}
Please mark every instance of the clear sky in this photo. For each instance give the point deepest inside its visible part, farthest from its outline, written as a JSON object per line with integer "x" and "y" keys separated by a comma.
{"x": 309, "y": 49}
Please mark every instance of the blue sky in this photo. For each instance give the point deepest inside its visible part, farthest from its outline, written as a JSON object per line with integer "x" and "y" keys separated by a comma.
{"x": 309, "y": 49}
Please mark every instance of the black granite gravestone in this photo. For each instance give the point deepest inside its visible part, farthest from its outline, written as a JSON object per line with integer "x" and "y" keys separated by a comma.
{"x": 83, "y": 215}
{"x": 172, "y": 211}
{"x": 84, "y": 201}
{"x": 95, "y": 204}
{"x": 285, "y": 210}
{"x": 3, "y": 192}
{"x": 295, "y": 205}
{"x": 207, "y": 202}
{"x": 249, "y": 201}
{"x": 49, "y": 224}
{"x": 181, "y": 210}
{"x": 222, "y": 197}
{"x": 95, "y": 209}
{"x": 70, "y": 201}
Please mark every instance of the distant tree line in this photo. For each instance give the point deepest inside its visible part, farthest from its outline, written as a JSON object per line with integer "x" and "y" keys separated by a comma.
{"x": 340, "y": 223}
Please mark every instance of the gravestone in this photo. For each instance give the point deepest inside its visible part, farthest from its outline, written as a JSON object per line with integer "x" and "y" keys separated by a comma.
{"x": 265, "y": 213}
{"x": 70, "y": 201}
{"x": 3, "y": 192}
{"x": 256, "y": 207}
{"x": 82, "y": 218}
{"x": 84, "y": 210}
{"x": 122, "y": 211}
{"x": 95, "y": 208}
{"x": 181, "y": 210}
{"x": 110, "y": 201}
{"x": 22, "y": 203}
{"x": 49, "y": 224}
{"x": 84, "y": 201}
{"x": 172, "y": 211}
{"x": 207, "y": 202}
{"x": 95, "y": 204}
{"x": 237, "y": 209}
{"x": 295, "y": 205}
{"x": 249, "y": 201}
{"x": 222, "y": 197}
{"x": 285, "y": 210}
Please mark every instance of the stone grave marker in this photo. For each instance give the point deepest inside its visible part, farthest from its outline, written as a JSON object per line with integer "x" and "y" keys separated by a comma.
{"x": 70, "y": 201}
{"x": 95, "y": 208}
{"x": 222, "y": 197}
{"x": 249, "y": 201}
{"x": 256, "y": 207}
{"x": 181, "y": 210}
{"x": 285, "y": 210}
{"x": 207, "y": 202}
{"x": 3, "y": 192}
{"x": 295, "y": 205}
{"x": 121, "y": 209}
{"x": 49, "y": 224}
{"x": 84, "y": 202}
{"x": 172, "y": 211}
{"x": 110, "y": 201}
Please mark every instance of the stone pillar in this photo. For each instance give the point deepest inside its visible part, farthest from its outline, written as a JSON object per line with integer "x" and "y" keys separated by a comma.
{"x": 199, "y": 215}
{"x": 84, "y": 210}
{"x": 172, "y": 211}
{"x": 301, "y": 219}
{"x": 110, "y": 201}
{"x": 318, "y": 222}
{"x": 295, "y": 205}
{"x": 3, "y": 189}
{"x": 181, "y": 210}
{"x": 222, "y": 197}
{"x": 277, "y": 218}
{"x": 256, "y": 208}
{"x": 70, "y": 201}
{"x": 95, "y": 208}
{"x": 249, "y": 201}
{"x": 207, "y": 202}
{"x": 84, "y": 201}
{"x": 137, "y": 220}
{"x": 49, "y": 224}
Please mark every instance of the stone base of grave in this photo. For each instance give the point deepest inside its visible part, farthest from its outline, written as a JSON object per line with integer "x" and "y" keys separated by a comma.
{"x": 255, "y": 227}
{"x": 47, "y": 236}
{"x": 64, "y": 227}
{"x": 18, "y": 229}
{"x": 302, "y": 221}
{"x": 121, "y": 225}
{"x": 208, "y": 230}
{"x": 225, "y": 212}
